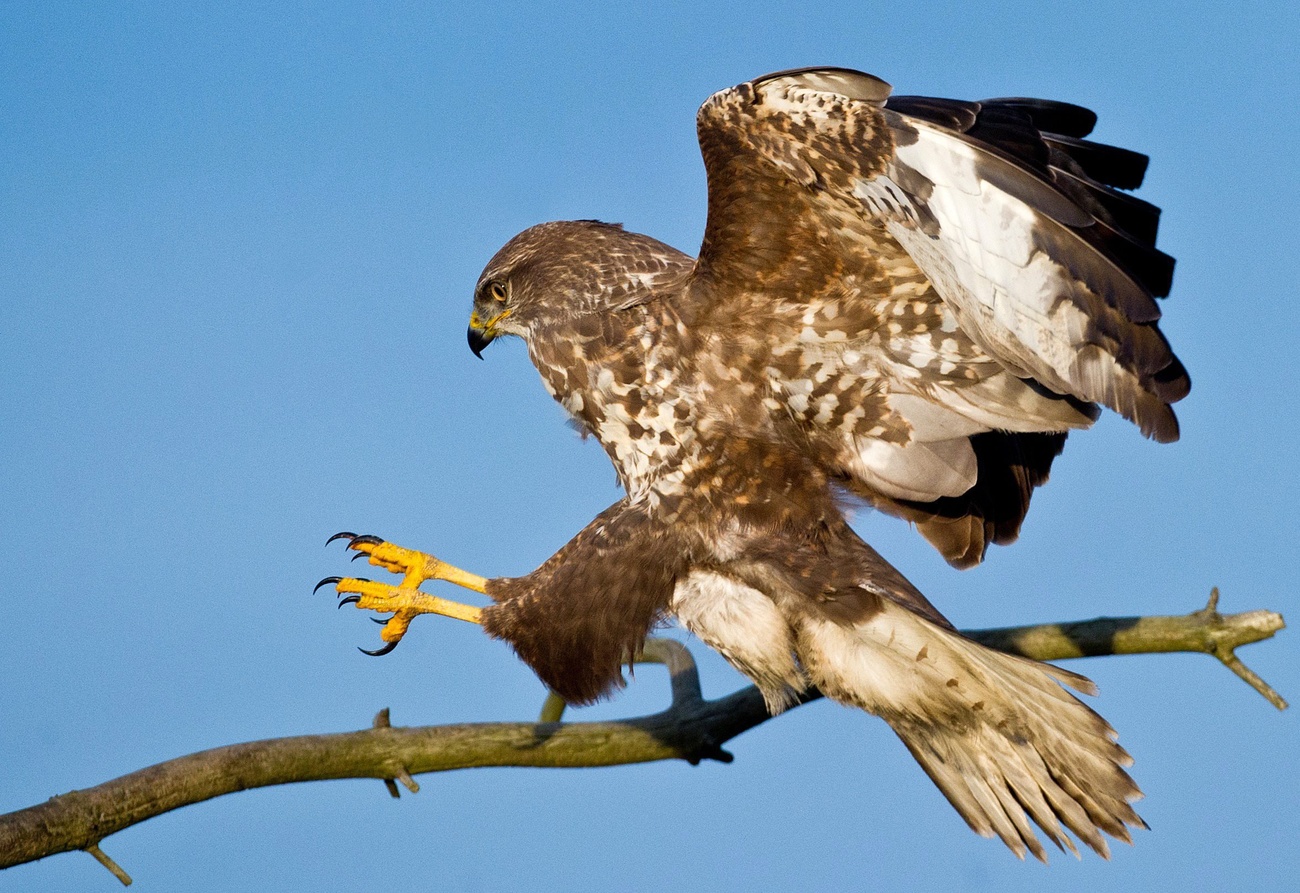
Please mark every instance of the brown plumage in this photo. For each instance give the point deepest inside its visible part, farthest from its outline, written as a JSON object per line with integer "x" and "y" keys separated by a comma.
{"x": 909, "y": 301}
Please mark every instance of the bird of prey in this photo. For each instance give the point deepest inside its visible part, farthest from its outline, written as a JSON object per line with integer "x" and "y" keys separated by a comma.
{"x": 902, "y": 301}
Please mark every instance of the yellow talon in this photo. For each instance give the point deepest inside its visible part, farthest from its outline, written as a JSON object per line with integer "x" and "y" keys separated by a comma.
{"x": 416, "y": 567}
{"x": 405, "y": 601}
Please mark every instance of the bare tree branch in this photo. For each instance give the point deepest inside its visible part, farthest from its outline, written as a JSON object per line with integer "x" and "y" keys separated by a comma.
{"x": 692, "y": 729}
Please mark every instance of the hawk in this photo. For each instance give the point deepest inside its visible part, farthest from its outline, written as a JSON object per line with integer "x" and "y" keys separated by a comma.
{"x": 903, "y": 301}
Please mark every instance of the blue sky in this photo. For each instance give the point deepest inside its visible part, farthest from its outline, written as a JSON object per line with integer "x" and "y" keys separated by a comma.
{"x": 236, "y": 254}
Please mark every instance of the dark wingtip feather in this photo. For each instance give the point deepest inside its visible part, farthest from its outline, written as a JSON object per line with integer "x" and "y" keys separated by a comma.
{"x": 1138, "y": 218}
{"x": 1121, "y": 168}
{"x": 1049, "y": 115}
{"x": 1010, "y": 466}
{"x": 954, "y": 114}
{"x": 1172, "y": 383}
{"x": 1043, "y": 137}
{"x": 1149, "y": 266}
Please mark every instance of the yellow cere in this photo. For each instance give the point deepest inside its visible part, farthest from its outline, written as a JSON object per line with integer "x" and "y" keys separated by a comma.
{"x": 488, "y": 328}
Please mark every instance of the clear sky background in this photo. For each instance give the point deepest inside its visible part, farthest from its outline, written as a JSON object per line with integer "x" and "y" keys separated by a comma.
{"x": 236, "y": 254}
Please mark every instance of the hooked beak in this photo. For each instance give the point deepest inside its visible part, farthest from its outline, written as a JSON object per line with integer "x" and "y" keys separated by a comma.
{"x": 481, "y": 333}
{"x": 478, "y": 339}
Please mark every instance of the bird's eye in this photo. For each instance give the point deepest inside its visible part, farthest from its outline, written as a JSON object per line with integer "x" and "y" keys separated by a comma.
{"x": 497, "y": 291}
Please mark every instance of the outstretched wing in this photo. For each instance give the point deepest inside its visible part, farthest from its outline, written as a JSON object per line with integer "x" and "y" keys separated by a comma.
{"x": 935, "y": 291}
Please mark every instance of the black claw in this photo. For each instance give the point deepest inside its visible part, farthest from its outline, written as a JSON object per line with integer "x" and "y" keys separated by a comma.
{"x": 345, "y": 535}
{"x": 350, "y": 600}
{"x": 379, "y": 652}
{"x": 365, "y": 538}
{"x": 358, "y": 555}
{"x": 380, "y": 620}
{"x": 326, "y": 582}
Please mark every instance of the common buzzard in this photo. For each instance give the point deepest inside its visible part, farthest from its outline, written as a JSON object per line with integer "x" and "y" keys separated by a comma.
{"x": 899, "y": 300}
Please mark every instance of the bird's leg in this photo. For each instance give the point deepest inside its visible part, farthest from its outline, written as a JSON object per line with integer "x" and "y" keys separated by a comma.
{"x": 404, "y": 601}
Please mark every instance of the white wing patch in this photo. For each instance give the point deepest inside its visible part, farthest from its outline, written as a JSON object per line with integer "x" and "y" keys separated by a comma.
{"x": 919, "y": 471}
{"x": 1026, "y": 287}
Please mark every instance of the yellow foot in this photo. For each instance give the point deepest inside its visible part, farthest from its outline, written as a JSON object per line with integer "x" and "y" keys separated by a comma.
{"x": 404, "y": 601}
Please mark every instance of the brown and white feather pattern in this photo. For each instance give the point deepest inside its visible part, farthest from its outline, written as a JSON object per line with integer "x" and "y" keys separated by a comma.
{"x": 912, "y": 301}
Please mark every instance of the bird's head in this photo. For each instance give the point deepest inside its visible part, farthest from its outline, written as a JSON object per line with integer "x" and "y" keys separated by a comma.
{"x": 554, "y": 272}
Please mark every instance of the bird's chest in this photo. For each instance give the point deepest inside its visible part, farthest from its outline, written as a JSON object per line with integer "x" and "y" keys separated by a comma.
{"x": 633, "y": 391}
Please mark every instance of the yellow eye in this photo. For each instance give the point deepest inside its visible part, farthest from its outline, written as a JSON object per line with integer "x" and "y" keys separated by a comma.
{"x": 497, "y": 291}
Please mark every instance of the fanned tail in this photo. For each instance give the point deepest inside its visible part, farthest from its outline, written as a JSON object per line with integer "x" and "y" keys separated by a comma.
{"x": 998, "y": 734}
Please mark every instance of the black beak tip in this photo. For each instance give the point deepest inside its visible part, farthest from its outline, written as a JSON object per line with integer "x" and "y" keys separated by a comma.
{"x": 477, "y": 341}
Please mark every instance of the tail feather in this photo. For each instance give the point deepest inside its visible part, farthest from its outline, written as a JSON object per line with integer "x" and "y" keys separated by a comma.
{"x": 1030, "y": 796}
{"x": 998, "y": 734}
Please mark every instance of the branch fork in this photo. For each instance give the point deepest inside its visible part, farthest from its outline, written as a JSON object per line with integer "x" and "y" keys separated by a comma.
{"x": 400, "y": 773}
{"x": 1224, "y": 637}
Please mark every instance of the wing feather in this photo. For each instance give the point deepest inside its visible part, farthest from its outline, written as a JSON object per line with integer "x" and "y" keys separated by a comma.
{"x": 1031, "y": 256}
{"x": 1025, "y": 281}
